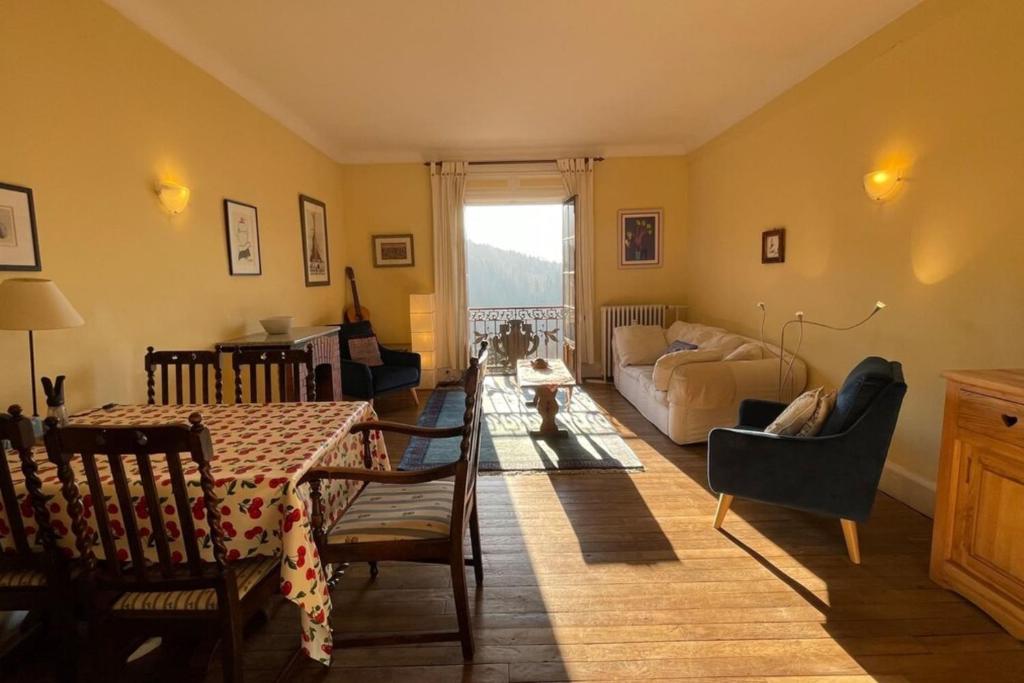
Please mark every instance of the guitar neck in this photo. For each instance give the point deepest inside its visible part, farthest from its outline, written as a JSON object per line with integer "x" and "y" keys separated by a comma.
{"x": 355, "y": 299}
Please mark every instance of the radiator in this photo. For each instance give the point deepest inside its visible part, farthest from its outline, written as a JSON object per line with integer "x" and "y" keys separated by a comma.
{"x": 633, "y": 314}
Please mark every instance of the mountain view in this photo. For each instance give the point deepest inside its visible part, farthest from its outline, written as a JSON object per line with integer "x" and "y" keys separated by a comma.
{"x": 499, "y": 277}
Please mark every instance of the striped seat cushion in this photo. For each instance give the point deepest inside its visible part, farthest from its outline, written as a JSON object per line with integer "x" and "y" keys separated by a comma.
{"x": 248, "y": 573}
{"x": 22, "y": 578}
{"x": 390, "y": 512}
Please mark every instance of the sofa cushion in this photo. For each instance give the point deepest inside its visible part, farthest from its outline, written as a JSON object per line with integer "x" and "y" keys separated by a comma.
{"x": 864, "y": 383}
{"x": 695, "y": 333}
{"x": 639, "y": 344}
{"x": 387, "y": 377}
{"x": 666, "y": 366}
{"x": 748, "y": 351}
{"x": 725, "y": 343}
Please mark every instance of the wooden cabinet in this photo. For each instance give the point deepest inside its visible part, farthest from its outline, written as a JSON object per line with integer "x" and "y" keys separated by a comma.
{"x": 978, "y": 540}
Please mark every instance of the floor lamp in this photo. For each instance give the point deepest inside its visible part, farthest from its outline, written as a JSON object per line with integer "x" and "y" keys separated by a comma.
{"x": 35, "y": 304}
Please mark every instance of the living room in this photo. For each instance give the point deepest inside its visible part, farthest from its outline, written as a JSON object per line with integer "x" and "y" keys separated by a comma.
{"x": 182, "y": 181}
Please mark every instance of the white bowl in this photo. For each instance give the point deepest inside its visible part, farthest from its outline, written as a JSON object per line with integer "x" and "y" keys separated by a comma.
{"x": 279, "y": 324}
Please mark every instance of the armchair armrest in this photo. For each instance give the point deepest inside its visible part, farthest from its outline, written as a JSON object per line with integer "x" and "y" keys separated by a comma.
{"x": 356, "y": 379}
{"x": 758, "y": 413}
{"x": 832, "y": 475}
{"x": 399, "y": 358}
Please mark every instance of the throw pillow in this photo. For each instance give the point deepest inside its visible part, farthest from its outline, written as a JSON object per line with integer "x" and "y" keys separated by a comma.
{"x": 667, "y": 365}
{"x": 679, "y": 345}
{"x": 796, "y": 414}
{"x": 639, "y": 344}
{"x": 365, "y": 350}
{"x": 826, "y": 402}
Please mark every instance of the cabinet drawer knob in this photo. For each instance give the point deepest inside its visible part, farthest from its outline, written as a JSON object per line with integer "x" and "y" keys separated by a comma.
{"x": 1009, "y": 420}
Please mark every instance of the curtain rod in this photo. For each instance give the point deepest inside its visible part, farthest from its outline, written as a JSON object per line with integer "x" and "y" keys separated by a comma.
{"x": 510, "y": 161}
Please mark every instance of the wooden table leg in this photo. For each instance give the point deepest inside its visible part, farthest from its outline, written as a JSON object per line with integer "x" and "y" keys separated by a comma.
{"x": 547, "y": 406}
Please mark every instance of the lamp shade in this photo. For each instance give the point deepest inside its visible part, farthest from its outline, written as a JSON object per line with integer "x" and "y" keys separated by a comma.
{"x": 35, "y": 304}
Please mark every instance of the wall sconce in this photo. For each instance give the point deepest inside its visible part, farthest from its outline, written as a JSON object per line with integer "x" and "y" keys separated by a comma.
{"x": 881, "y": 185}
{"x": 173, "y": 196}
{"x": 421, "y": 325}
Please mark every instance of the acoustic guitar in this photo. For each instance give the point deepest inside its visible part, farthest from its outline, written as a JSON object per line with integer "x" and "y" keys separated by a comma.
{"x": 355, "y": 312}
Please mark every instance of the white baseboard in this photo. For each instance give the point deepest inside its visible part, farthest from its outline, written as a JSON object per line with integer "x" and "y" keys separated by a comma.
{"x": 909, "y": 487}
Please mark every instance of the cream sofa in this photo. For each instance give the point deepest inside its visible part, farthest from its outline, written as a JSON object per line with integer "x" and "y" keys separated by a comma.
{"x": 687, "y": 393}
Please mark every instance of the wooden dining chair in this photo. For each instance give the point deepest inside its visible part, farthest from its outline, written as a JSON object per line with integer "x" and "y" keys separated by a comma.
{"x": 132, "y": 595}
{"x": 34, "y": 575}
{"x": 282, "y": 368}
{"x": 195, "y": 365}
{"x": 419, "y": 516}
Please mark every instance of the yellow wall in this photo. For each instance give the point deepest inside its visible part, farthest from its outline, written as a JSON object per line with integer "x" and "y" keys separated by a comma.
{"x": 381, "y": 198}
{"x": 94, "y": 112}
{"x": 939, "y": 92}
{"x": 385, "y": 199}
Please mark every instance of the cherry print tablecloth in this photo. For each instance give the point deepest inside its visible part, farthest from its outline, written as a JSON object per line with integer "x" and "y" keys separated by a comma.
{"x": 260, "y": 452}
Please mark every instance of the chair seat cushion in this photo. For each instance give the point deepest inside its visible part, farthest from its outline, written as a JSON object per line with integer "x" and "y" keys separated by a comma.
{"x": 22, "y": 578}
{"x": 387, "y": 377}
{"x": 391, "y": 512}
{"x": 248, "y": 573}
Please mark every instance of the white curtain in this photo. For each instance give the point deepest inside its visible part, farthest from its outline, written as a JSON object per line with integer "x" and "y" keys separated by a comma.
{"x": 578, "y": 179}
{"x": 448, "y": 187}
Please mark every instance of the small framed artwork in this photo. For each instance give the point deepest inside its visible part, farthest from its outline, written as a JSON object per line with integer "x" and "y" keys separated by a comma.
{"x": 243, "y": 232}
{"x": 19, "y": 242}
{"x": 315, "y": 254}
{"x": 640, "y": 238}
{"x": 773, "y": 246}
{"x": 392, "y": 251}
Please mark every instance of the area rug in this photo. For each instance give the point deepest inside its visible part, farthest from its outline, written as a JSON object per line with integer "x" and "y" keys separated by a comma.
{"x": 505, "y": 443}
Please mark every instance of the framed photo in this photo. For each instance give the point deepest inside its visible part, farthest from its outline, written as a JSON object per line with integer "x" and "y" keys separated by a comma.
{"x": 393, "y": 251}
{"x": 315, "y": 255}
{"x": 639, "y": 238}
{"x": 19, "y": 242}
{"x": 243, "y": 231}
{"x": 773, "y": 246}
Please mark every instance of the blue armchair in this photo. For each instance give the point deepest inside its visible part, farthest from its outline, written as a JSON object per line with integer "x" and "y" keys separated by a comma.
{"x": 401, "y": 369}
{"x": 835, "y": 473}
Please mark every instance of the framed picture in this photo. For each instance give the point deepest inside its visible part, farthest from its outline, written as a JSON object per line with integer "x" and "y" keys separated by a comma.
{"x": 315, "y": 255}
{"x": 243, "y": 230}
{"x": 773, "y": 246}
{"x": 19, "y": 243}
{"x": 392, "y": 251}
{"x": 639, "y": 238}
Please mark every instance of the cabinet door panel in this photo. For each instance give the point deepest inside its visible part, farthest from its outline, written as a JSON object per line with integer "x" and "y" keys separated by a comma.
{"x": 990, "y": 541}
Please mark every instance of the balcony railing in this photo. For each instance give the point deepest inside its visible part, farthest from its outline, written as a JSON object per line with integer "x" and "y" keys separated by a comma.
{"x": 517, "y": 332}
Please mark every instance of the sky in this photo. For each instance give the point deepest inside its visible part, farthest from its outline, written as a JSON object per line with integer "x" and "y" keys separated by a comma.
{"x": 534, "y": 229}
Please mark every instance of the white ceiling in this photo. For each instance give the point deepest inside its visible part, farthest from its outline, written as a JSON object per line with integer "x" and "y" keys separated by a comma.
{"x": 410, "y": 80}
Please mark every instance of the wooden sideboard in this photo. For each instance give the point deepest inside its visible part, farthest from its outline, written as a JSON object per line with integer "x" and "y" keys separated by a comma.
{"x": 978, "y": 538}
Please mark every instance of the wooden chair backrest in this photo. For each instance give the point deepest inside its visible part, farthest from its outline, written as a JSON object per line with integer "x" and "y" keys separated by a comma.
{"x": 118, "y": 446}
{"x": 29, "y": 552}
{"x": 282, "y": 368}
{"x": 196, "y": 363}
{"x": 469, "y": 447}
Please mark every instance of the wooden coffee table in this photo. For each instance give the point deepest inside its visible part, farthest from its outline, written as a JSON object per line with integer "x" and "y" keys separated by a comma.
{"x": 545, "y": 384}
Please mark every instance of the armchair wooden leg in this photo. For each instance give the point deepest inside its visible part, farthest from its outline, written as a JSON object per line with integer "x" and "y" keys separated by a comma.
{"x": 415, "y": 396}
{"x": 852, "y": 543}
{"x": 724, "y": 501}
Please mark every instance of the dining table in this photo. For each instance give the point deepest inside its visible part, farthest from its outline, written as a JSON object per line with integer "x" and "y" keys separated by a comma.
{"x": 261, "y": 451}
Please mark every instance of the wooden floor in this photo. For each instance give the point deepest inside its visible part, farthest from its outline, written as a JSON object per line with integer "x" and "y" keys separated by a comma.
{"x": 612, "y": 576}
